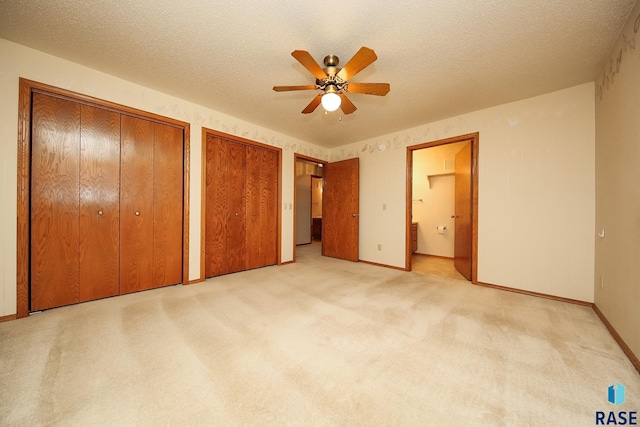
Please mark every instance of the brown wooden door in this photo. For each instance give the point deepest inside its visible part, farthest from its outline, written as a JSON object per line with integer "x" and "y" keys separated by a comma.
{"x": 463, "y": 212}
{"x": 236, "y": 214}
{"x": 269, "y": 207}
{"x": 74, "y": 202}
{"x": 261, "y": 202}
{"x": 225, "y": 207}
{"x": 99, "y": 203}
{"x": 167, "y": 205}
{"x": 216, "y": 206}
{"x": 262, "y": 207}
{"x": 253, "y": 236}
{"x": 136, "y": 205}
{"x": 340, "y": 210}
{"x": 55, "y": 171}
{"x": 241, "y": 207}
{"x": 106, "y": 208}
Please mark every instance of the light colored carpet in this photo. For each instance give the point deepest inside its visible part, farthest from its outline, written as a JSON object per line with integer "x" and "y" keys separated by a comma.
{"x": 319, "y": 342}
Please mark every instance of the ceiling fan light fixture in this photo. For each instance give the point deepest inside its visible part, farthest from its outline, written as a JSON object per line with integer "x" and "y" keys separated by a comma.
{"x": 331, "y": 100}
{"x": 333, "y": 82}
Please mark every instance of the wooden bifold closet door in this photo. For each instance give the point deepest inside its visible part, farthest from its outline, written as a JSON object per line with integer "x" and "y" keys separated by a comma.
{"x": 241, "y": 206}
{"x": 75, "y": 155}
{"x": 106, "y": 203}
{"x": 150, "y": 205}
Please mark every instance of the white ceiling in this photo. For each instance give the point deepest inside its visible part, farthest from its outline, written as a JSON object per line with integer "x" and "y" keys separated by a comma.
{"x": 442, "y": 58}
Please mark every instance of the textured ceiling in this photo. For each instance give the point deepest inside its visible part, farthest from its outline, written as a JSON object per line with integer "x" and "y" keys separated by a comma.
{"x": 441, "y": 58}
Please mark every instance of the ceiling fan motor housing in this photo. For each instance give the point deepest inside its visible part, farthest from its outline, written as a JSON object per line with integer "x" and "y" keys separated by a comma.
{"x": 331, "y": 70}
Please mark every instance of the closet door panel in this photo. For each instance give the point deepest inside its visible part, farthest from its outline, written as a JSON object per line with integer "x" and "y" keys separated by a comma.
{"x": 167, "y": 205}
{"x": 55, "y": 151}
{"x": 236, "y": 216}
{"x": 136, "y": 205}
{"x": 99, "y": 203}
{"x": 253, "y": 241}
{"x": 216, "y": 208}
{"x": 268, "y": 207}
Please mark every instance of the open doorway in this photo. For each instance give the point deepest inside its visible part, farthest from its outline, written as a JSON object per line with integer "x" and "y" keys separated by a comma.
{"x": 338, "y": 217}
{"x": 442, "y": 207}
{"x": 308, "y": 201}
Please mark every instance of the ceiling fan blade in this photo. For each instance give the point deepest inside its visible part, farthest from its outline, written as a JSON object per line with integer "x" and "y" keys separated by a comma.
{"x": 380, "y": 89}
{"x": 313, "y": 104}
{"x": 287, "y": 88}
{"x": 346, "y": 105}
{"x": 309, "y": 63}
{"x": 363, "y": 58}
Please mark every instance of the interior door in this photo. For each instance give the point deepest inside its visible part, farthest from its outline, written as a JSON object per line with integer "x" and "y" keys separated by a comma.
{"x": 136, "y": 205}
{"x": 268, "y": 207}
{"x": 99, "y": 204}
{"x": 167, "y": 205}
{"x": 55, "y": 170}
{"x": 216, "y": 207}
{"x": 262, "y": 207}
{"x": 253, "y": 212}
{"x": 236, "y": 214}
{"x": 225, "y": 207}
{"x": 340, "y": 210}
{"x": 74, "y": 202}
{"x": 463, "y": 212}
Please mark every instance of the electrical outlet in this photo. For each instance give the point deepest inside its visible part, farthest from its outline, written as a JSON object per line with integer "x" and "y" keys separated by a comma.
{"x": 379, "y": 246}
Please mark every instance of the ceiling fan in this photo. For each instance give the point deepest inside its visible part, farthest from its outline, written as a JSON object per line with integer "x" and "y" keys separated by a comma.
{"x": 333, "y": 82}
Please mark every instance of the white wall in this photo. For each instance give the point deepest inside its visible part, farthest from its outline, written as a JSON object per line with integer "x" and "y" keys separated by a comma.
{"x": 18, "y": 61}
{"x": 536, "y": 207}
{"x": 617, "y": 265}
{"x": 536, "y": 191}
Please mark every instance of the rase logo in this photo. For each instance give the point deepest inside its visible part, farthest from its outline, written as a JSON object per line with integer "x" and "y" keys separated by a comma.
{"x": 615, "y": 395}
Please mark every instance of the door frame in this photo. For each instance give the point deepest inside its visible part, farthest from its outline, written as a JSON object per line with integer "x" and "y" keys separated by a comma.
{"x": 26, "y": 89}
{"x": 203, "y": 195}
{"x": 304, "y": 158}
{"x": 474, "y": 138}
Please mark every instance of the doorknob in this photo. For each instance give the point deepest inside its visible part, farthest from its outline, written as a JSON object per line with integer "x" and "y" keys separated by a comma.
{"x": 137, "y": 213}
{"x": 237, "y": 214}
{"x": 355, "y": 214}
{"x": 100, "y": 213}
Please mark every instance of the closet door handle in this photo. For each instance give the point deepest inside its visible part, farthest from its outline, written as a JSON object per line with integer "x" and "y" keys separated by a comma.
{"x": 137, "y": 213}
{"x": 237, "y": 214}
{"x": 100, "y": 213}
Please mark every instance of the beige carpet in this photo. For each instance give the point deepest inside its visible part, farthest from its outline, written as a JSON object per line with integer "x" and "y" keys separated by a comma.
{"x": 320, "y": 342}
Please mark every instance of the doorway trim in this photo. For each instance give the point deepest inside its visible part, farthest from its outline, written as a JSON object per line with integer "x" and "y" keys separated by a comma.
{"x": 26, "y": 89}
{"x": 475, "y": 143}
{"x": 297, "y": 157}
